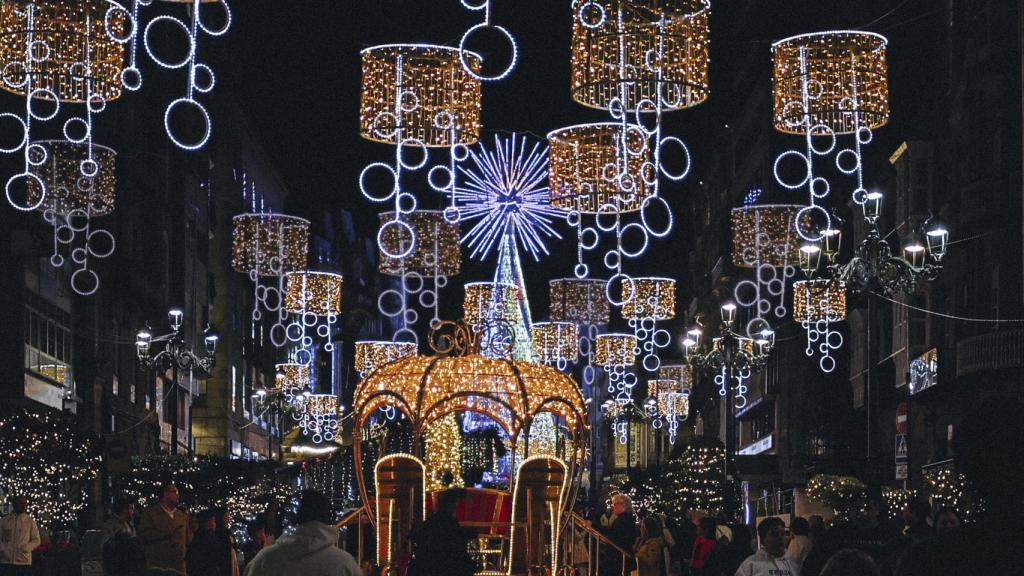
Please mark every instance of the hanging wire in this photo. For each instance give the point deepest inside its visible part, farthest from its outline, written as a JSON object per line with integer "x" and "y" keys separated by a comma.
{"x": 951, "y": 316}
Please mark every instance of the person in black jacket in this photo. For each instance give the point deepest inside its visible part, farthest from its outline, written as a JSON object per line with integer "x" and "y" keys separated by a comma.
{"x": 209, "y": 553}
{"x": 619, "y": 526}
{"x": 439, "y": 544}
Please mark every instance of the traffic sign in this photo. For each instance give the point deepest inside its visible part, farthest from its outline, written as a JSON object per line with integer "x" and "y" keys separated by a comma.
{"x": 901, "y": 418}
{"x": 901, "y": 449}
{"x": 901, "y": 471}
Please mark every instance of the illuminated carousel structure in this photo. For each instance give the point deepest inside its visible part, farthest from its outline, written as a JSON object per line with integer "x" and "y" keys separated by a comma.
{"x": 521, "y": 524}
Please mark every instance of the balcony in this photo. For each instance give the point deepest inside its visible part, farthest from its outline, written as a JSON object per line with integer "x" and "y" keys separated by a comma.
{"x": 990, "y": 352}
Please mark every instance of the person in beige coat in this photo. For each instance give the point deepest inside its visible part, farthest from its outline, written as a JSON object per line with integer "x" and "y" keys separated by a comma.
{"x": 164, "y": 531}
{"x": 19, "y": 536}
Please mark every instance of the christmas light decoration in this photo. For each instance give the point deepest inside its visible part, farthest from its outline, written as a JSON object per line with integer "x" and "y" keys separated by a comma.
{"x": 596, "y": 169}
{"x": 45, "y": 460}
{"x": 443, "y": 450}
{"x": 419, "y": 93}
{"x": 700, "y": 481}
{"x": 489, "y": 302}
{"x": 679, "y": 373}
{"x": 636, "y": 55}
{"x": 470, "y": 61}
{"x": 270, "y": 245}
{"x": 666, "y": 404}
{"x": 506, "y": 193}
{"x": 556, "y": 343}
{"x": 817, "y": 304}
{"x": 579, "y": 300}
{"x": 896, "y": 500}
{"x": 950, "y": 489}
{"x": 319, "y": 420}
{"x": 315, "y": 300}
{"x": 846, "y": 495}
{"x": 646, "y": 301}
{"x": 616, "y": 349}
{"x": 372, "y": 354}
{"x": 69, "y": 200}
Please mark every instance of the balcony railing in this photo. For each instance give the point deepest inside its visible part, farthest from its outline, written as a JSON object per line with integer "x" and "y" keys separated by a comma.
{"x": 988, "y": 352}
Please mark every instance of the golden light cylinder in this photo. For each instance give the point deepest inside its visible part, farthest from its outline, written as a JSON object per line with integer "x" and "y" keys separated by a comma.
{"x": 679, "y": 373}
{"x": 419, "y": 92}
{"x": 65, "y": 35}
{"x": 581, "y": 301}
{"x": 846, "y": 77}
{"x": 555, "y": 341}
{"x": 490, "y": 301}
{"x": 766, "y": 235}
{"x": 821, "y": 299}
{"x": 615, "y": 349}
{"x": 669, "y": 398}
{"x": 634, "y": 52}
{"x": 373, "y": 354}
{"x": 67, "y": 189}
{"x": 269, "y": 244}
{"x": 292, "y": 375}
{"x": 322, "y": 405}
{"x": 649, "y": 297}
{"x": 436, "y": 250}
{"x": 317, "y": 293}
{"x": 600, "y": 167}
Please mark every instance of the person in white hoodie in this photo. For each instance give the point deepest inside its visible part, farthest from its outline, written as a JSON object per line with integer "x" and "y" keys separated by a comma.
{"x": 19, "y": 536}
{"x": 310, "y": 550}
{"x": 771, "y": 559}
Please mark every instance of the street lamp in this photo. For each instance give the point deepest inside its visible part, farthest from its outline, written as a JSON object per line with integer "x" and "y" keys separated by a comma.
{"x": 176, "y": 355}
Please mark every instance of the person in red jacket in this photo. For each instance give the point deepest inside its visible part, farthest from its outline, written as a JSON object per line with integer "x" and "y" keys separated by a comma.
{"x": 703, "y": 545}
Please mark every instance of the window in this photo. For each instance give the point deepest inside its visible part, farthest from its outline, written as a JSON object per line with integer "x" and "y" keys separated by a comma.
{"x": 763, "y": 424}
{"x": 47, "y": 338}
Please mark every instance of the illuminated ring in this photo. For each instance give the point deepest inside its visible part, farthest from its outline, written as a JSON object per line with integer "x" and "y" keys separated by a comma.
{"x": 36, "y": 154}
{"x": 807, "y": 165}
{"x": 686, "y": 154}
{"x": 644, "y": 136}
{"x": 408, "y": 101}
{"x": 864, "y": 135}
{"x": 848, "y": 161}
{"x": 218, "y": 31}
{"x": 645, "y": 106}
{"x": 188, "y": 34}
{"x": 203, "y": 87}
{"x": 293, "y": 332}
{"x": 460, "y": 151}
{"x": 649, "y": 171}
{"x": 474, "y": 7}
{"x": 816, "y": 183}
{"x": 644, "y": 235}
{"x": 452, "y": 215}
{"x": 612, "y": 260}
{"x": 588, "y": 238}
{"x": 64, "y": 234}
{"x": 112, "y": 9}
{"x": 362, "y": 183}
{"x": 610, "y": 172}
{"x": 77, "y": 122}
{"x": 651, "y": 362}
{"x": 31, "y": 55}
{"x": 80, "y": 255}
{"x": 755, "y": 326}
{"x": 306, "y": 341}
{"x": 838, "y": 343}
{"x": 444, "y": 120}
{"x": 303, "y": 357}
{"x": 431, "y": 179}
{"x": 645, "y": 205}
{"x": 412, "y": 142}
{"x": 440, "y": 281}
{"x": 827, "y": 363}
{"x": 606, "y": 210}
{"x": 859, "y": 195}
{"x": 581, "y": 270}
{"x": 402, "y": 226}
{"x": 377, "y": 131}
{"x": 428, "y": 298}
{"x": 28, "y": 207}
{"x": 24, "y": 129}
{"x": 76, "y": 281}
{"x": 619, "y": 276}
{"x": 131, "y": 78}
{"x": 763, "y": 307}
{"x": 278, "y": 335}
{"x": 405, "y": 203}
{"x": 831, "y": 141}
{"x": 629, "y": 379}
{"x": 96, "y": 103}
{"x": 807, "y": 210}
{"x": 88, "y": 167}
{"x": 741, "y": 289}
{"x": 616, "y": 109}
{"x": 417, "y": 282}
{"x": 573, "y": 217}
{"x": 11, "y": 69}
{"x": 410, "y": 316}
{"x": 814, "y": 89}
{"x": 465, "y": 62}
{"x": 50, "y": 95}
{"x": 206, "y": 124}
{"x": 56, "y": 260}
{"x": 590, "y": 23}
{"x": 309, "y": 319}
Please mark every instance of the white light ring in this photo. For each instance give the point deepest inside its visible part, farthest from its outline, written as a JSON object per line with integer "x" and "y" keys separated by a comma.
{"x": 217, "y": 31}
{"x": 379, "y": 132}
{"x": 817, "y": 192}
{"x": 662, "y": 338}
{"x": 89, "y": 168}
{"x": 24, "y": 129}
{"x": 432, "y": 179}
{"x": 427, "y": 298}
{"x": 63, "y": 234}
{"x": 128, "y": 18}
{"x": 589, "y": 238}
{"x": 405, "y": 203}
{"x": 612, "y": 260}
{"x": 859, "y": 195}
{"x": 404, "y": 226}
{"x": 610, "y": 172}
{"x": 362, "y": 183}
{"x": 406, "y": 335}
{"x": 625, "y": 279}
{"x": 606, "y": 210}
{"x": 416, "y": 285}
{"x": 131, "y": 78}
{"x": 634, "y": 130}
{"x": 800, "y": 216}
{"x": 828, "y": 133}
{"x": 739, "y": 293}
{"x": 56, "y": 261}
{"x": 79, "y": 255}
{"x": 31, "y": 55}
{"x": 804, "y": 161}
{"x": 96, "y": 103}
{"x": 10, "y": 71}
{"x": 686, "y": 154}
{"x": 475, "y": 7}
{"x": 460, "y": 152}
{"x": 410, "y": 316}
{"x": 444, "y": 120}
{"x": 645, "y": 205}
{"x": 36, "y": 154}
{"x": 201, "y": 87}
{"x": 643, "y": 247}
{"x": 412, "y": 143}
{"x": 573, "y": 218}
{"x": 324, "y": 331}
{"x": 627, "y": 184}
{"x": 76, "y": 281}
{"x": 835, "y": 344}
{"x": 309, "y": 319}
{"x": 755, "y": 326}
{"x": 51, "y": 97}
{"x": 848, "y": 166}
{"x": 293, "y": 331}
{"x": 25, "y": 207}
{"x": 581, "y": 270}
{"x": 76, "y": 122}
{"x": 651, "y": 362}
{"x": 590, "y": 24}
{"x": 188, "y": 34}
{"x": 465, "y": 62}
{"x": 440, "y": 281}
{"x": 827, "y": 363}
{"x": 646, "y": 106}
{"x": 207, "y": 125}
{"x": 384, "y": 309}
{"x": 867, "y": 133}
{"x": 452, "y": 215}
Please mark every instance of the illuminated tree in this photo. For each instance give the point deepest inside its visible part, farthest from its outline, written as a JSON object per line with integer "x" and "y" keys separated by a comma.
{"x": 444, "y": 453}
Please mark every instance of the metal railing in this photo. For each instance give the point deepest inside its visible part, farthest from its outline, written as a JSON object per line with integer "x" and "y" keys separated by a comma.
{"x": 582, "y": 539}
{"x": 992, "y": 351}
{"x": 355, "y": 517}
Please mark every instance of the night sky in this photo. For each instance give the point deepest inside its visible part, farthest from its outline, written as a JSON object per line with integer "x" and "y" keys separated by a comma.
{"x": 298, "y": 76}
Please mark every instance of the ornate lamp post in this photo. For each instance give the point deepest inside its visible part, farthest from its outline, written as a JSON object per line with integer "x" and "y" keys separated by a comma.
{"x": 730, "y": 357}
{"x": 175, "y": 356}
